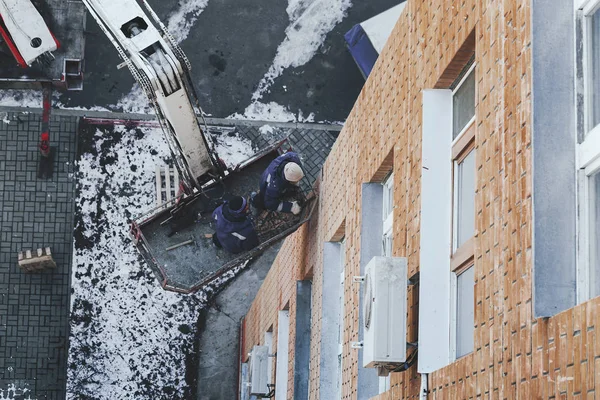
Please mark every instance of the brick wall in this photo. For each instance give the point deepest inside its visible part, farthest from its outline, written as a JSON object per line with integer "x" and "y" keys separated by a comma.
{"x": 515, "y": 356}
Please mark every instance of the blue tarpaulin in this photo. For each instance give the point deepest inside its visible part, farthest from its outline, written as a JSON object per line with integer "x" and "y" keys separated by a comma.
{"x": 361, "y": 48}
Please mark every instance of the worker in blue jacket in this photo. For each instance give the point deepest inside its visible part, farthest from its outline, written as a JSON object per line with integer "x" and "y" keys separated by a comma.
{"x": 234, "y": 229}
{"x": 280, "y": 180}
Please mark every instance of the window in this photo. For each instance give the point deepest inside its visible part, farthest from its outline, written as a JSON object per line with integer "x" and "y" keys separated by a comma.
{"x": 594, "y": 222}
{"x": 589, "y": 153}
{"x": 465, "y": 311}
{"x": 387, "y": 242}
{"x": 590, "y": 15}
{"x": 388, "y": 215}
{"x": 463, "y": 104}
{"x": 594, "y": 67}
{"x": 463, "y": 160}
{"x": 269, "y": 344}
{"x": 464, "y": 189}
{"x": 463, "y": 210}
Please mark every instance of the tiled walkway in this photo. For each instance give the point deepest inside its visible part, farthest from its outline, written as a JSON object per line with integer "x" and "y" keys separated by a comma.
{"x": 34, "y": 213}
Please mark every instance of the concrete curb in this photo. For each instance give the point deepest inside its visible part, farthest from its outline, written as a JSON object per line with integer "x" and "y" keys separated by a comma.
{"x": 150, "y": 117}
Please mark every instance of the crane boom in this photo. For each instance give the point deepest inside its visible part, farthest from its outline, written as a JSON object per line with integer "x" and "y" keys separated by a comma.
{"x": 162, "y": 70}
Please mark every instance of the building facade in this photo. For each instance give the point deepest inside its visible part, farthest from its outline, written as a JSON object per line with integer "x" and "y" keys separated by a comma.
{"x": 472, "y": 153}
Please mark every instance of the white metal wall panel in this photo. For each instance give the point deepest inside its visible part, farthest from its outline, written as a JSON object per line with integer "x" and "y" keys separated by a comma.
{"x": 436, "y": 201}
{"x": 282, "y": 361}
{"x": 380, "y": 27}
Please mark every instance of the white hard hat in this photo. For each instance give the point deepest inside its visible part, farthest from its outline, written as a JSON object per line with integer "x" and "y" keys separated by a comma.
{"x": 292, "y": 172}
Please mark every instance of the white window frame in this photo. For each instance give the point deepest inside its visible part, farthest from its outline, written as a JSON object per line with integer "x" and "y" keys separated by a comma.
{"x": 388, "y": 213}
{"x": 468, "y": 124}
{"x": 453, "y": 314}
{"x": 587, "y": 6}
{"x": 588, "y": 157}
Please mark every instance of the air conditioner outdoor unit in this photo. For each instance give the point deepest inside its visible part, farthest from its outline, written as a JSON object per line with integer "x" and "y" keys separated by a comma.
{"x": 259, "y": 359}
{"x": 384, "y": 312}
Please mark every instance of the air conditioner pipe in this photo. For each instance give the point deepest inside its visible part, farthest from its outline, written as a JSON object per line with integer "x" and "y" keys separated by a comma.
{"x": 424, "y": 391}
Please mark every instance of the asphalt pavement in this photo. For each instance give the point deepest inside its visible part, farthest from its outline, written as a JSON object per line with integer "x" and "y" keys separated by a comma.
{"x": 231, "y": 46}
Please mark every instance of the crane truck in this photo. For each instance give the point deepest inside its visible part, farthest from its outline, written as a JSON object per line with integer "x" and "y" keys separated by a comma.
{"x": 175, "y": 237}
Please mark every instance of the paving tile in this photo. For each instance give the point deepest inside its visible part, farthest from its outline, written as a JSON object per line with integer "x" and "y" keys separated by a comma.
{"x": 34, "y": 309}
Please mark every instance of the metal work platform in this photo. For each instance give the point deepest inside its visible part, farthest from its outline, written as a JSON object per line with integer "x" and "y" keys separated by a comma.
{"x": 66, "y": 20}
{"x": 188, "y": 268}
{"x": 175, "y": 238}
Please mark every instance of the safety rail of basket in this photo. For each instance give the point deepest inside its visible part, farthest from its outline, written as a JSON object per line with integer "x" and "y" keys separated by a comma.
{"x": 246, "y": 256}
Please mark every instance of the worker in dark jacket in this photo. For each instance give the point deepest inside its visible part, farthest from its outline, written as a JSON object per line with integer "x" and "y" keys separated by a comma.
{"x": 279, "y": 180}
{"x": 235, "y": 230}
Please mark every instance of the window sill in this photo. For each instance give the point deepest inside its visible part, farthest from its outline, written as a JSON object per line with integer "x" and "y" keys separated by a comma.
{"x": 463, "y": 256}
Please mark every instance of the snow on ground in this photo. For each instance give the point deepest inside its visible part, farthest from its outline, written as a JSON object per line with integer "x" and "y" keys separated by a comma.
{"x": 62, "y": 106}
{"x": 130, "y": 339}
{"x": 310, "y": 22}
{"x": 233, "y": 149}
{"x": 135, "y": 101}
{"x": 14, "y": 392}
{"x": 271, "y": 112}
{"x": 21, "y": 98}
{"x": 183, "y": 19}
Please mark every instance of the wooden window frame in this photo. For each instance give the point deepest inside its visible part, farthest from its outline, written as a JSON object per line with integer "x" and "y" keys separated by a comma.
{"x": 461, "y": 257}
{"x": 462, "y": 146}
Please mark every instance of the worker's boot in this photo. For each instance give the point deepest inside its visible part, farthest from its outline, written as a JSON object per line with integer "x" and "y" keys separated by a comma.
{"x": 255, "y": 208}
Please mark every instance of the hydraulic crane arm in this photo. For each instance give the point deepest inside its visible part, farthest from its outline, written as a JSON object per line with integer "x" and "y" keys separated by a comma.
{"x": 162, "y": 70}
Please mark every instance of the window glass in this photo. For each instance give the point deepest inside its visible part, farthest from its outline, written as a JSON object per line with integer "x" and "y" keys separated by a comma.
{"x": 388, "y": 215}
{"x": 465, "y": 199}
{"x": 465, "y": 312}
{"x": 388, "y": 196}
{"x": 594, "y": 73}
{"x": 594, "y": 191}
{"x": 387, "y": 244}
{"x": 463, "y": 104}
